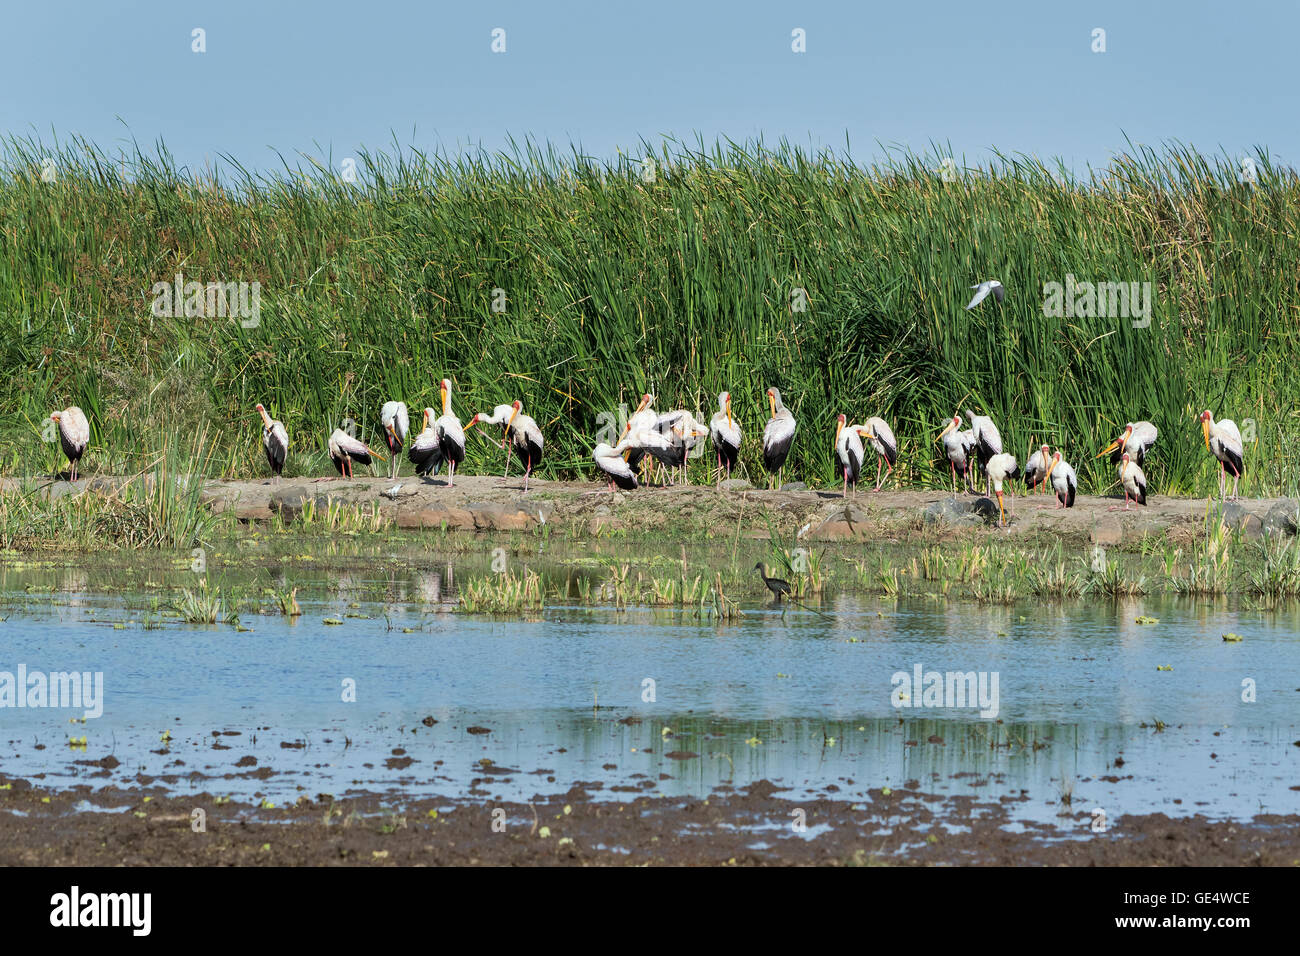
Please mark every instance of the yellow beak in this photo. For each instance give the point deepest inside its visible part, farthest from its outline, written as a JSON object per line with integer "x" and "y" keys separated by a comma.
{"x": 511, "y": 421}
{"x": 771, "y": 400}
{"x": 1109, "y": 448}
{"x": 1205, "y": 430}
{"x": 950, "y": 427}
{"x": 839, "y": 427}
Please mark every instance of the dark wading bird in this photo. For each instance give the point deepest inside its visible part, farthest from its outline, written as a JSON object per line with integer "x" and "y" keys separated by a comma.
{"x": 74, "y": 435}
{"x": 848, "y": 454}
{"x": 724, "y": 432}
{"x": 778, "y": 436}
{"x": 1224, "y": 442}
{"x": 781, "y": 587}
{"x": 397, "y": 425}
{"x": 275, "y": 440}
{"x": 344, "y": 450}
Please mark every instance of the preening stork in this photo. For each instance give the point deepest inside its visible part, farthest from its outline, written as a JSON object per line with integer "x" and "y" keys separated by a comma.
{"x": 644, "y": 417}
{"x": 1134, "y": 481}
{"x": 848, "y": 454}
{"x": 778, "y": 436}
{"x": 959, "y": 447}
{"x": 685, "y": 431}
{"x": 1036, "y": 468}
{"x": 664, "y": 449}
{"x": 724, "y": 432}
{"x": 1224, "y": 443}
{"x": 1063, "y": 480}
{"x": 425, "y": 452}
{"x": 74, "y": 435}
{"x": 275, "y": 440}
{"x": 1001, "y": 468}
{"x": 882, "y": 440}
{"x": 345, "y": 449}
{"x": 988, "y": 442}
{"x": 519, "y": 434}
{"x": 397, "y": 425}
{"x": 615, "y": 469}
{"x": 1136, "y": 441}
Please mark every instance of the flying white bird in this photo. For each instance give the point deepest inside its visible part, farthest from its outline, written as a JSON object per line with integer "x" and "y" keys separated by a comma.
{"x": 275, "y": 440}
{"x": 74, "y": 435}
{"x": 1224, "y": 443}
{"x": 982, "y": 292}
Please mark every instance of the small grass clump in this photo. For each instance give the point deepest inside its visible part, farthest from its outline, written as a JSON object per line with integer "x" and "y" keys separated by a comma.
{"x": 504, "y": 594}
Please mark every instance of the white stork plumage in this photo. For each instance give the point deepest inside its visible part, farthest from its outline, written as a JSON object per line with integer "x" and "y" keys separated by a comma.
{"x": 778, "y": 436}
{"x": 612, "y": 465}
{"x": 959, "y": 447}
{"x": 275, "y": 441}
{"x": 651, "y": 441}
{"x": 1137, "y": 439}
{"x": 519, "y": 434}
{"x": 685, "y": 432}
{"x": 396, "y": 420}
{"x": 451, "y": 437}
{"x": 988, "y": 442}
{"x": 425, "y": 452}
{"x": 1001, "y": 468}
{"x": 1036, "y": 468}
{"x": 881, "y": 436}
{"x": 1134, "y": 480}
{"x": 724, "y": 432}
{"x": 344, "y": 449}
{"x": 848, "y": 453}
{"x": 1063, "y": 481}
{"x": 1224, "y": 443}
{"x": 74, "y": 435}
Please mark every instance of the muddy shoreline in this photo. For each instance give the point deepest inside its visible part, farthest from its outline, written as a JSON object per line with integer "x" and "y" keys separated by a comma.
{"x": 749, "y": 827}
{"x": 584, "y": 509}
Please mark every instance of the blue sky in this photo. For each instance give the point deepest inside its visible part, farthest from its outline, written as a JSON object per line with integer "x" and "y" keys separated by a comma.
{"x": 334, "y": 75}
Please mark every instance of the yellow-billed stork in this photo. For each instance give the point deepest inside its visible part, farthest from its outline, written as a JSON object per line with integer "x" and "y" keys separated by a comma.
{"x": 74, "y": 435}
{"x": 275, "y": 441}
{"x": 778, "y": 436}
{"x": 1224, "y": 443}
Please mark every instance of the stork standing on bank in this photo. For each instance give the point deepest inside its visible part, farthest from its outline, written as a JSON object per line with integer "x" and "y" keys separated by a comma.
{"x": 881, "y": 436}
{"x": 1224, "y": 442}
{"x": 74, "y": 435}
{"x": 425, "y": 452}
{"x": 1063, "y": 481}
{"x": 519, "y": 433}
{"x": 344, "y": 449}
{"x": 778, "y": 436}
{"x": 1001, "y": 468}
{"x": 397, "y": 425}
{"x": 1037, "y": 467}
{"x": 848, "y": 454}
{"x": 988, "y": 442}
{"x": 959, "y": 447}
{"x": 1134, "y": 480}
{"x": 451, "y": 437}
{"x": 616, "y": 470}
{"x": 724, "y": 433}
{"x": 275, "y": 441}
{"x": 1136, "y": 441}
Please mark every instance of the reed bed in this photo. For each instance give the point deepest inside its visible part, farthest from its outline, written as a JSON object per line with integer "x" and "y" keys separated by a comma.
{"x": 736, "y": 266}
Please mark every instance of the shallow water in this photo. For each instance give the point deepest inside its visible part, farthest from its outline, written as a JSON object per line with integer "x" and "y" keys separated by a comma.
{"x": 805, "y": 701}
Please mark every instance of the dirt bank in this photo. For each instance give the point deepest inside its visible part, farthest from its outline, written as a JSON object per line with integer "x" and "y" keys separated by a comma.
{"x": 484, "y": 504}
{"x": 754, "y": 826}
